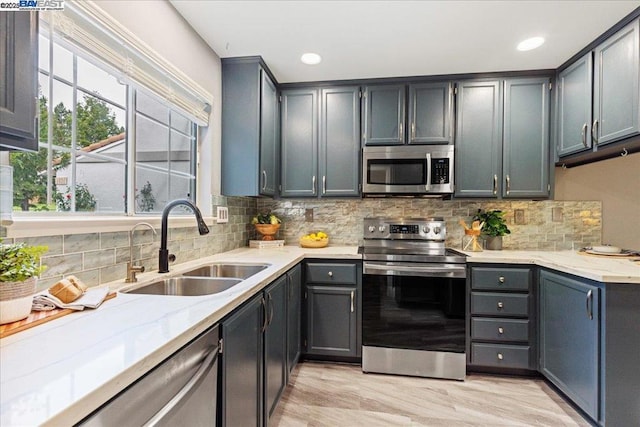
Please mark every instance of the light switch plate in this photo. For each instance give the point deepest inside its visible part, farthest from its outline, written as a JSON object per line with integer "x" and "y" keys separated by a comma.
{"x": 222, "y": 214}
{"x": 308, "y": 215}
{"x": 518, "y": 216}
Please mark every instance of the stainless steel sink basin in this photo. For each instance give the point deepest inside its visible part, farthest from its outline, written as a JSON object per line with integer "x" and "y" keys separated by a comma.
{"x": 238, "y": 270}
{"x": 186, "y": 286}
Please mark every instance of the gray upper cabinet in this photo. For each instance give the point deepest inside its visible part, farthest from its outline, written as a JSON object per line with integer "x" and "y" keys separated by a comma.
{"x": 502, "y": 138}
{"x": 18, "y": 80}
{"x": 384, "y": 115}
{"x": 430, "y": 113}
{"x": 299, "y": 142}
{"x": 616, "y": 89}
{"x": 321, "y": 152}
{"x": 574, "y": 107}
{"x": 250, "y": 149}
{"x": 525, "y": 152}
{"x": 339, "y": 141}
{"x": 478, "y": 139}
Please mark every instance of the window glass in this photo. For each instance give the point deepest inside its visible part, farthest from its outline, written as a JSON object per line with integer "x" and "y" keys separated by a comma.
{"x": 43, "y": 53}
{"x": 98, "y": 82}
{"x": 62, "y": 63}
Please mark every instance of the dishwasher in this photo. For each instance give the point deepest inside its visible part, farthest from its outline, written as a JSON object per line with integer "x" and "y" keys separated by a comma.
{"x": 179, "y": 391}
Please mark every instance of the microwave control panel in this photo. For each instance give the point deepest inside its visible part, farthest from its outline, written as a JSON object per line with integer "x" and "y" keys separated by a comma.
{"x": 440, "y": 171}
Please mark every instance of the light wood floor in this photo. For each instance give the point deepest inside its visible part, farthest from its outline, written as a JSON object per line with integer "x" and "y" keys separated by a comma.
{"x": 327, "y": 394}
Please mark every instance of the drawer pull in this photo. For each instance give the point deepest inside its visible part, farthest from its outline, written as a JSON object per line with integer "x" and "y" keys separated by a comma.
{"x": 330, "y": 274}
{"x": 501, "y": 279}
{"x": 500, "y": 305}
{"x": 500, "y": 330}
{"x": 500, "y": 356}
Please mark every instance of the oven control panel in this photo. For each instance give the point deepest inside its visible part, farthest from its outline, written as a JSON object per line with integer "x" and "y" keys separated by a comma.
{"x": 433, "y": 229}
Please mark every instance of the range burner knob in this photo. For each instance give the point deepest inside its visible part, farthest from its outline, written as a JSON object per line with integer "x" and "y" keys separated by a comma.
{"x": 426, "y": 229}
{"x": 436, "y": 230}
{"x": 381, "y": 228}
{"x": 372, "y": 228}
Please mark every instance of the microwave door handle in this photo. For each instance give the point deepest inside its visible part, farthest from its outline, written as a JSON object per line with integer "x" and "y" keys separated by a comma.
{"x": 427, "y": 186}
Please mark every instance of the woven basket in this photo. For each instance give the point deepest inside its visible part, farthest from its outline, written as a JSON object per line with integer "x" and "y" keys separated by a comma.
{"x": 311, "y": 243}
{"x": 15, "y": 300}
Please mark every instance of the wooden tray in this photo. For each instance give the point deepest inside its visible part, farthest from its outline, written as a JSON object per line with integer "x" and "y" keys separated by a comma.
{"x": 39, "y": 317}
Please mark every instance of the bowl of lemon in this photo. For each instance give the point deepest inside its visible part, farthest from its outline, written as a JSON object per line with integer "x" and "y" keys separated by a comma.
{"x": 319, "y": 239}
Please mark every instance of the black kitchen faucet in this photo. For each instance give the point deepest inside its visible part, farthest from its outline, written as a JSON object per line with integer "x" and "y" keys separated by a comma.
{"x": 163, "y": 261}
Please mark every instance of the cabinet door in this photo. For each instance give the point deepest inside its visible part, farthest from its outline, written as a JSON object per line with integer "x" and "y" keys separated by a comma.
{"x": 294, "y": 311}
{"x": 268, "y": 136}
{"x": 574, "y": 107}
{"x": 478, "y": 139}
{"x": 242, "y": 366}
{"x": 339, "y": 141}
{"x": 299, "y": 115}
{"x": 384, "y": 115}
{"x": 569, "y": 338}
{"x": 332, "y": 320}
{"x": 275, "y": 340}
{"x": 616, "y": 91}
{"x": 525, "y": 149}
{"x": 430, "y": 113}
{"x": 18, "y": 80}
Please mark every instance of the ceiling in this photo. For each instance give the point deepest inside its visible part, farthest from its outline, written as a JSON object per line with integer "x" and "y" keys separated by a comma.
{"x": 369, "y": 39}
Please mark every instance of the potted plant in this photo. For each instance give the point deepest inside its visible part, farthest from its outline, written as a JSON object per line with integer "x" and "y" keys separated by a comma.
{"x": 493, "y": 228}
{"x": 19, "y": 267}
{"x": 266, "y": 224}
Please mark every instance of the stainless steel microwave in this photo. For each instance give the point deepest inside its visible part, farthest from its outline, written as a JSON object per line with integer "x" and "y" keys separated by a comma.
{"x": 417, "y": 170}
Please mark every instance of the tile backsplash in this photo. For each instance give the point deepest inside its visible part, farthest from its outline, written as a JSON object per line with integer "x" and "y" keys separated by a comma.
{"x": 101, "y": 257}
{"x": 545, "y": 225}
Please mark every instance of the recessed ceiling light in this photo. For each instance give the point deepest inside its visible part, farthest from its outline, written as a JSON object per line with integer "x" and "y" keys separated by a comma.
{"x": 531, "y": 43}
{"x": 310, "y": 58}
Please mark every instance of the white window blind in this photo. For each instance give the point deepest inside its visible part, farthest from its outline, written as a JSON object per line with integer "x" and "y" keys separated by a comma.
{"x": 89, "y": 28}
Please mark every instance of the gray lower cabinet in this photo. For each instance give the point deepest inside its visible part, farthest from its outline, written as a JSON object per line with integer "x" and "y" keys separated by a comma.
{"x": 18, "y": 81}
{"x": 590, "y": 345}
{"x": 333, "y": 309}
{"x": 502, "y": 138}
{"x": 501, "y": 318}
{"x": 321, "y": 152}
{"x": 294, "y": 316}
{"x": 250, "y": 130}
{"x": 254, "y": 360}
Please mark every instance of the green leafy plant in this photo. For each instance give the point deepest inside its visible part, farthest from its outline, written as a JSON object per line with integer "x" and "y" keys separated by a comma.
{"x": 494, "y": 222}
{"x": 146, "y": 200}
{"x": 85, "y": 201}
{"x": 19, "y": 262}
{"x": 267, "y": 218}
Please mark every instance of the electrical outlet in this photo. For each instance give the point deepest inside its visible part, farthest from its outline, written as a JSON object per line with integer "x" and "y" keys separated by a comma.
{"x": 222, "y": 214}
{"x": 518, "y": 216}
{"x": 308, "y": 215}
{"x": 556, "y": 214}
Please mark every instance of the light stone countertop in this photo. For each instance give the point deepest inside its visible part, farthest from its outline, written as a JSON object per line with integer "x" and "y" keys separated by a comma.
{"x": 61, "y": 371}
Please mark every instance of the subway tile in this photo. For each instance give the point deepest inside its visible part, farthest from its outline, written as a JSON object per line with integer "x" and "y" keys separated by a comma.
{"x": 62, "y": 264}
{"x": 81, "y": 242}
{"x": 53, "y": 243}
{"x": 101, "y": 258}
{"x": 114, "y": 272}
{"x": 114, "y": 239}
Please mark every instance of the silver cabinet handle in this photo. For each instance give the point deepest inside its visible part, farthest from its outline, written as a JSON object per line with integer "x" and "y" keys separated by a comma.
{"x": 265, "y": 317}
{"x": 500, "y": 330}
{"x": 400, "y": 131}
{"x": 500, "y": 305}
{"x": 584, "y": 135}
{"x": 313, "y": 184}
{"x": 264, "y": 181}
{"x": 594, "y": 131}
{"x": 207, "y": 363}
{"x": 413, "y": 130}
{"x": 508, "y": 180}
{"x": 352, "y": 296}
{"x": 330, "y": 274}
{"x": 500, "y": 356}
{"x": 270, "y": 300}
{"x": 495, "y": 184}
{"x": 501, "y": 279}
{"x": 324, "y": 184}
{"x": 590, "y": 304}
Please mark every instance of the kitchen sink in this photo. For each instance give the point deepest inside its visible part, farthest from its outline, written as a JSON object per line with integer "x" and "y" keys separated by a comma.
{"x": 186, "y": 286}
{"x": 237, "y": 270}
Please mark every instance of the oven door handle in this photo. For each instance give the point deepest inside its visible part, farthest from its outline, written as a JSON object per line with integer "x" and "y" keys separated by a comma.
{"x": 413, "y": 270}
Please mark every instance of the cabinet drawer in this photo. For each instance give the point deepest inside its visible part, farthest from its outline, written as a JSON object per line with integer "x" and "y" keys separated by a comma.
{"x": 332, "y": 273}
{"x": 495, "y": 304}
{"x": 500, "y": 355}
{"x": 513, "y": 279}
{"x": 500, "y": 329}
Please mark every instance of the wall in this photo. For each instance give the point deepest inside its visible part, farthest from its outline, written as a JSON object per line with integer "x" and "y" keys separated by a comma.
{"x": 548, "y": 225}
{"x": 102, "y": 257}
{"x": 616, "y": 183}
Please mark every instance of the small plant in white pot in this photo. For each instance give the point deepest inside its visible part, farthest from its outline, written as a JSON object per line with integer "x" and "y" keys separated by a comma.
{"x": 493, "y": 228}
{"x": 19, "y": 268}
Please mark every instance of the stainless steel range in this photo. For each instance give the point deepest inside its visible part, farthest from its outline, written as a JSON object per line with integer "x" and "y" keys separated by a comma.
{"x": 413, "y": 299}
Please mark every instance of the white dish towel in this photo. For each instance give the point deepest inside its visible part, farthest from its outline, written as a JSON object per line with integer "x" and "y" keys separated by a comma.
{"x": 92, "y": 298}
